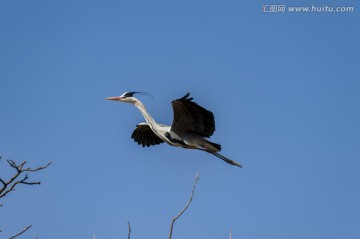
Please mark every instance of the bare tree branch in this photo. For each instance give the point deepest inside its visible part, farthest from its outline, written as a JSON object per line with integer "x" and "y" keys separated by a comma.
{"x": 9, "y": 185}
{"x": 24, "y": 230}
{"x": 186, "y": 206}
{"x": 230, "y": 234}
{"x": 21, "y": 176}
{"x": 129, "y": 230}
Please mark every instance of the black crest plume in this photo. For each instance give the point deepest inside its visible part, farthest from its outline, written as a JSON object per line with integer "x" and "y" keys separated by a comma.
{"x": 132, "y": 93}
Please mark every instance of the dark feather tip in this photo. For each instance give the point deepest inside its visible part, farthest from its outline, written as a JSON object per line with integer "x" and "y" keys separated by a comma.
{"x": 132, "y": 93}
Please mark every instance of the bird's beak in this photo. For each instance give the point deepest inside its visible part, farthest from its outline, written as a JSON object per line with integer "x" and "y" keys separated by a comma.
{"x": 113, "y": 98}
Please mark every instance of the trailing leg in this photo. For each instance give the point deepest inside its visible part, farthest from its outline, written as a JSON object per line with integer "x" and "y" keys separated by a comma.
{"x": 225, "y": 159}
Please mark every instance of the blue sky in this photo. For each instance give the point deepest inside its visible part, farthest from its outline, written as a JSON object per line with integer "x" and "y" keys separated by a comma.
{"x": 284, "y": 88}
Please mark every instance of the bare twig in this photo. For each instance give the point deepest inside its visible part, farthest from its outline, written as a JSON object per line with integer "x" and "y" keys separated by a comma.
{"x": 9, "y": 185}
{"x": 230, "y": 234}
{"x": 129, "y": 230}
{"x": 21, "y": 176}
{"x": 24, "y": 230}
{"x": 186, "y": 206}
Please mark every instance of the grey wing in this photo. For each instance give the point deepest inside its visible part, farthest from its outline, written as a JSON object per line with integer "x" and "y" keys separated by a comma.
{"x": 145, "y": 136}
{"x": 190, "y": 117}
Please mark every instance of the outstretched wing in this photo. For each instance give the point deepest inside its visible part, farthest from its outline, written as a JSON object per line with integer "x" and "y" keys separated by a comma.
{"x": 145, "y": 136}
{"x": 190, "y": 117}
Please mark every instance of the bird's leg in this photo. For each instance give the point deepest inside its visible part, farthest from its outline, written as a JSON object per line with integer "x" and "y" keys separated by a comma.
{"x": 225, "y": 159}
{"x": 229, "y": 161}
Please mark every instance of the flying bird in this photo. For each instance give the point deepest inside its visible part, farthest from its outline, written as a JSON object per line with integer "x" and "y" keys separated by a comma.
{"x": 191, "y": 126}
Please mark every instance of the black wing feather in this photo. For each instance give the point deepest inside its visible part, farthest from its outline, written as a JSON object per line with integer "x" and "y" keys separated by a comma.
{"x": 191, "y": 117}
{"x": 145, "y": 136}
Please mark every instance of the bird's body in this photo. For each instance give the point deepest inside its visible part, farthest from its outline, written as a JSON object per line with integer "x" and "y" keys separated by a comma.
{"x": 191, "y": 126}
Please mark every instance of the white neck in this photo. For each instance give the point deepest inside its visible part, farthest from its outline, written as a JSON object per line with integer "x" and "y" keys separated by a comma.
{"x": 146, "y": 115}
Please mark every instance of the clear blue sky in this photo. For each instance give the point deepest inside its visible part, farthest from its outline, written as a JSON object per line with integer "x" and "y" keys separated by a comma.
{"x": 284, "y": 88}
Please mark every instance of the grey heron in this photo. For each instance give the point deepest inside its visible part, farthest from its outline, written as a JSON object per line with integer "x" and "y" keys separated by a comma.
{"x": 191, "y": 126}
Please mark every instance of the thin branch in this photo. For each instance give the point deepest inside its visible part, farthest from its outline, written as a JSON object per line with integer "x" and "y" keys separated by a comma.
{"x": 2, "y": 181}
{"x": 10, "y": 185}
{"x": 129, "y": 230}
{"x": 13, "y": 164}
{"x": 186, "y": 206}
{"x": 230, "y": 234}
{"x": 24, "y": 230}
{"x": 18, "y": 178}
{"x": 37, "y": 169}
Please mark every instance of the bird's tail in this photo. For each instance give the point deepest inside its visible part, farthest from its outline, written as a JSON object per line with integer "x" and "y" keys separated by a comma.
{"x": 225, "y": 159}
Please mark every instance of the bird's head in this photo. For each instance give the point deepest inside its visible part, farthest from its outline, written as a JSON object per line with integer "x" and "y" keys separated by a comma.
{"x": 127, "y": 97}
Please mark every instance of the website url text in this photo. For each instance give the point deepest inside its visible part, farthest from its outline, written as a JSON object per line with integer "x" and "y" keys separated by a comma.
{"x": 278, "y": 8}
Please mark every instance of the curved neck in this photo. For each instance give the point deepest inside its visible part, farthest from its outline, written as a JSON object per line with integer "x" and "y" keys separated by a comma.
{"x": 146, "y": 115}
